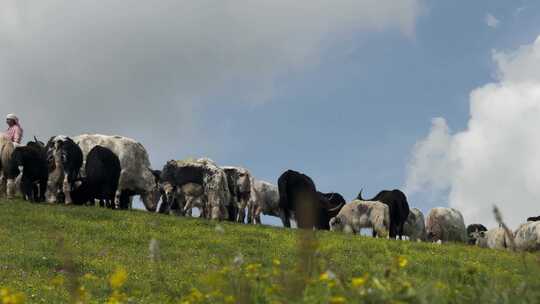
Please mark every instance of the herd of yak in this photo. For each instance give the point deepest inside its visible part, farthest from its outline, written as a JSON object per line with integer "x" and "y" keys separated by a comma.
{"x": 110, "y": 170}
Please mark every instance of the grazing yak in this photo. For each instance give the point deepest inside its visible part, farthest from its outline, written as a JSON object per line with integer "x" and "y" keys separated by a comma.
{"x": 184, "y": 180}
{"x": 298, "y": 198}
{"x": 264, "y": 200}
{"x": 136, "y": 176}
{"x": 7, "y": 182}
{"x": 330, "y": 206}
{"x": 240, "y": 188}
{"x": 363, "y": 214}
{"x": 527, "y": 237}
{"x": 31, "y": 160}
{"x": 446, "y": 225}
{"x": 65, "y": 159}
{"x": 102, "y": 170}
{"x": 473, "y": 231}
{"x": 415, "y": 226}
{"x": 496, "y": 238}
{"x": 399, "y": 209}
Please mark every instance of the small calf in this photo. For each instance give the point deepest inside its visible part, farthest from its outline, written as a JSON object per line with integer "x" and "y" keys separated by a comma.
{"x": 194, "y": 197}
{"x": 473, "y": 230}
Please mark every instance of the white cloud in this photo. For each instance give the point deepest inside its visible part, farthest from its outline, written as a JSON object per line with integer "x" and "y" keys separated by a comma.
{"x": 491, "y": 21}
{"x": 495, "y": 160}
{"x": 429, "y": 166}
{"x": 143, "y": 68}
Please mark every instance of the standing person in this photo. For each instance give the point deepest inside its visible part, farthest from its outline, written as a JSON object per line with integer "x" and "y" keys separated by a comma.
{"x": 14, "y": 131}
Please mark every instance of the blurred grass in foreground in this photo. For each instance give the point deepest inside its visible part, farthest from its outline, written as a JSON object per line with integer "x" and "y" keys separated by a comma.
{"x": 59, "y": 254}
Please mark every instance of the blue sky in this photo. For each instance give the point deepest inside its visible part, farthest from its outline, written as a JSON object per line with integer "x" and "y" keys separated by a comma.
{"x": 340, "y": 90}
{"x": 352, "y": 121}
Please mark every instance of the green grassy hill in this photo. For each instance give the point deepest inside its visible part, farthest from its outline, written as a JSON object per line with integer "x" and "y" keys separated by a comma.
{"x": 59, "y": 254}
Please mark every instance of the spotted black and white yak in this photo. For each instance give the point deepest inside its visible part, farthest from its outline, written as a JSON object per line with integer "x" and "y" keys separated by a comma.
{"x": 399, "y": 209}
{"x": 136, "y": 176}
{"x": 363, "y": 214}
{"x": 415, "y": 226}
{"x": 240, "y": 182}
{"x": 197, "y": 183}
{"x": 102, "y": 172}
{"x": 496, "y": 238}
{"x": 473, "y": 232}
{"x": 264, "y": 200}
{"x": 527, "y": 237}
{"x": 445, "y": 225}
{"x": 65, "y": 159}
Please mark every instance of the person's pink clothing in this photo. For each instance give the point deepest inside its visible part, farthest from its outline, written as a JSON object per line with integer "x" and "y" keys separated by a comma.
{"x": 15, "y": 133}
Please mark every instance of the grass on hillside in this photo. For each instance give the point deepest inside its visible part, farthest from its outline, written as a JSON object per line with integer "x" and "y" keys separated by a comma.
{"x": 66, "y": 254}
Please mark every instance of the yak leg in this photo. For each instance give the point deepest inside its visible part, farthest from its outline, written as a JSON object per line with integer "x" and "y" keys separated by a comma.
{"x": 400, "y": 232}
{"x": 27, "y": 189}
{"x": 42, "y": 189}
{"x": 241, "y": 215}
{"x": 188, "y": 208}
{"x": 10, "y": 186}
{"x": 285, "y": 218}
{"x": 119, "y": 189}
{"x": 251, "y": 215}
{"x": 3, "y": 185}
{"x": 257, "y": 216}
{"x": 66, "y": 187}
{"x": 50, "y": 194}
{"x": 35, "y": 192}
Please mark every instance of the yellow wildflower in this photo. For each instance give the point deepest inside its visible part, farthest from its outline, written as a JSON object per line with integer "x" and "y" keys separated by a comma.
{"x": 337, "y": 300}
{"x": 402, "y": 262}
{"x": 117, "y": 298}
{"x": 327, "y": 276}
{"x": 230, "y": 300}
{"x": 195, "y": 296}
{"x": 440, "y": 285}
{"x": 253, "y": 267}
{"x": 276, "y": 262}
{"x": 8, "y": 297}
{"x": 118, "y": 278}
{"x": 226, "y": 270}
{"x": 90, "y": 277}
{"x": 359, "y": 282}
{"x": 83, "y": 294}
{"x": 58, "y": 281}
{"x": 324, "y": 277}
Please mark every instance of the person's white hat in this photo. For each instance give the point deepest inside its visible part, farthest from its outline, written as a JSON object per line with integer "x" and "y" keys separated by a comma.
{"x": 12, "y": 116}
